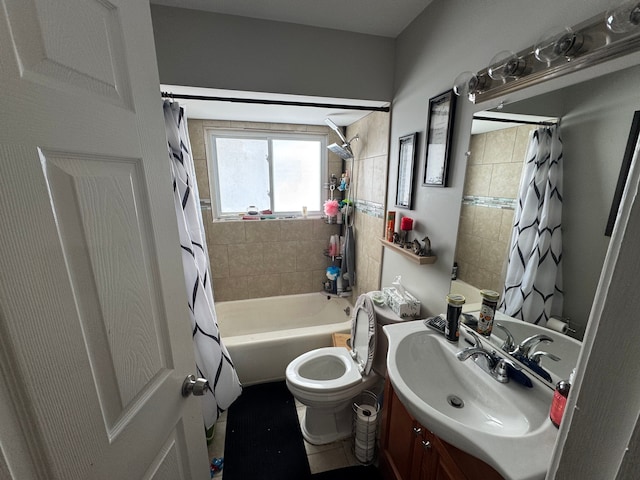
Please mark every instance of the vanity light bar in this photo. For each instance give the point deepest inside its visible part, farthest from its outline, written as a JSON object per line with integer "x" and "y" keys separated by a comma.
{"x": 588, "y": 43}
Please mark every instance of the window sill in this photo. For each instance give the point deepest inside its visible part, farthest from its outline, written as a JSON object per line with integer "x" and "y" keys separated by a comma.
{"x": 253, "y": 218}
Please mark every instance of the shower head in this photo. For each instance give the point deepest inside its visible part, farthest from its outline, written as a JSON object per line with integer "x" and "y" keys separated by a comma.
{"x": 343, "y": 151}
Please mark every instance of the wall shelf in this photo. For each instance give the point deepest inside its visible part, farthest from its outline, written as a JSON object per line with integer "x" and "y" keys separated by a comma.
{"x": 408, "y": 253}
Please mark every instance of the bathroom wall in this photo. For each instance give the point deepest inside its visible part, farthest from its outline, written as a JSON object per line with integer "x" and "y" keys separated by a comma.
{"x": 370, "y": 165}
{"x": 494, "y": 168}
{"x": 205, "y": 49}
{"x": 252, "y": 259}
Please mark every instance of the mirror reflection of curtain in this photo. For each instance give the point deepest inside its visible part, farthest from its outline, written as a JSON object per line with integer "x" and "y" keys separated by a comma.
{"x": 533, "y": 284}
{"x": 212, "y": 358}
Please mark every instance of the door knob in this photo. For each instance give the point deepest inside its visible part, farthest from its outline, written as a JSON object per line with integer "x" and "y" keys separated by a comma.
{"x": 195, "y": 386}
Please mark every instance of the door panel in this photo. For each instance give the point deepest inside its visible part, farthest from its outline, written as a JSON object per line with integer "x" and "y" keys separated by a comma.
{"x": 77, "y": 45}
{"x": 94, "y": 328}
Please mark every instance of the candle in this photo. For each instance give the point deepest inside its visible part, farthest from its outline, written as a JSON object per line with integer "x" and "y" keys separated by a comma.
{"x": 406, "y": 224}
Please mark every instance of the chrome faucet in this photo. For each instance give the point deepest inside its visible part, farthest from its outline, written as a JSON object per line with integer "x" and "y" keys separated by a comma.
{"x": 494, "y": 365}
{"x": 525, "y": 346}
{"x": 535, "y": 357}
{"x": 509, "y": 344}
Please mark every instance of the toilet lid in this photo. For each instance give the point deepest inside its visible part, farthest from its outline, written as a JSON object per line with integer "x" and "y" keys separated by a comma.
{"x": 363, "y": 333}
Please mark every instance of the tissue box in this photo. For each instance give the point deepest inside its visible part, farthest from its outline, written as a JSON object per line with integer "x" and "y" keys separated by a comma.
{"x": 405, "y": 306}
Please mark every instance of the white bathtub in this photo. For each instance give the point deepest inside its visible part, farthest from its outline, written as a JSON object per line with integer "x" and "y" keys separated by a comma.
{"x": 264, "y": 334}
{"x": 471, "y": 294}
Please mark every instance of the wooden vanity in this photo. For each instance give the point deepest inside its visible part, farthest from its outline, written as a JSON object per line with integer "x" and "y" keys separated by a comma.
{"x": 409, "y": 451}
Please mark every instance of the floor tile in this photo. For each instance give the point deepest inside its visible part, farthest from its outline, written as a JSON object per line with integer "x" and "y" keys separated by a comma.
{"x": 313, "y": 449}
{"x": 328, "y": 460}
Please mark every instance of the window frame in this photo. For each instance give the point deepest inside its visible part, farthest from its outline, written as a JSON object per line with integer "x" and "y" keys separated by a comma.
{"x": 212, "y": 164}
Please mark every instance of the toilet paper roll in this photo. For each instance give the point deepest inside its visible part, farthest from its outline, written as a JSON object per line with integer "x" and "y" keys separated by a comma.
{"x": 367, "y": 414}
{"x": 558, "y": 325}
{"x": 365, "y": 438}
{"x": 365, "y": 428}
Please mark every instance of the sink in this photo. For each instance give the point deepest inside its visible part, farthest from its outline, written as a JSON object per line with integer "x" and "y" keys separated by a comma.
{"x": 505, "y": 425}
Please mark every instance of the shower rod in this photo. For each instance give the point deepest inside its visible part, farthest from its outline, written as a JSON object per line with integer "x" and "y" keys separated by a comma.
{"x": 509, "y": 120}
{"x": 273, "y": 102}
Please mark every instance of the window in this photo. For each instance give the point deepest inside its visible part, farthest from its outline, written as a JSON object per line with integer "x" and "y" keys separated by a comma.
{"x": 279, "y": 172}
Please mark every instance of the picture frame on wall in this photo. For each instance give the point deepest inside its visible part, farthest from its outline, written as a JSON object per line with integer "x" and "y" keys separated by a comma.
{"x": 406, "y": 162}
{"x": 438, "y": 143}
{"x": 632, "y": 141}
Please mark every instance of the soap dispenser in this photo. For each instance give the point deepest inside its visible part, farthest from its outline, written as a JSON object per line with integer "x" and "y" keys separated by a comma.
{"x": 559, "y": 401}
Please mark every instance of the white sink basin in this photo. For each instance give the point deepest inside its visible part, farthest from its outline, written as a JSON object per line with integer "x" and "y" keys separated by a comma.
{"x": 505, "y": 425}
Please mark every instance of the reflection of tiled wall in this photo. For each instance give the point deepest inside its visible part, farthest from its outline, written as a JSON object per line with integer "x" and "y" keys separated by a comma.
{"x": 251, "y": 259}
{"x": 370, "y": 170}
{"x": 493, "y": 173}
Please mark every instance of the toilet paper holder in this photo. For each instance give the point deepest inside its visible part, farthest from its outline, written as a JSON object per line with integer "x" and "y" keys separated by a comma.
{"x": 366, "y": 417}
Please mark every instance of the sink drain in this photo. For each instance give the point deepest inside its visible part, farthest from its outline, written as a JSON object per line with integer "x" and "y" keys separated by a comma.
{"x": 455, "y": 401}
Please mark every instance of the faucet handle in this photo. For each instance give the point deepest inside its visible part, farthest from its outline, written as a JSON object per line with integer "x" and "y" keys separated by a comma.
{"x": 535, "y": 357}
{"x": 509, "y": 343}
{"x": 528, "y": 343}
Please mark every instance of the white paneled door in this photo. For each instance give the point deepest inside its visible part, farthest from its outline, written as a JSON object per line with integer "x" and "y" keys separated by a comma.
{"x": 94, "y": 333}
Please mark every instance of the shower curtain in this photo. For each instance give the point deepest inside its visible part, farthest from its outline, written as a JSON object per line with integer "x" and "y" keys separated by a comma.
{"x": 212, "y": 359}
{"x": 533, "y": 284}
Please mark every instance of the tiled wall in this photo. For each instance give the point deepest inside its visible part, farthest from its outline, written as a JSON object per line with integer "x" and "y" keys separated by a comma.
{"x": 251, "y": 259}
{"x": 371, "y": 162}
{"x": 492, "y": 179}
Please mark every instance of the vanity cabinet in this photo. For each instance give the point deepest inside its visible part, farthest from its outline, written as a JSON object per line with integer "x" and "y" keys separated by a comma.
{"x": 409, "y": 451}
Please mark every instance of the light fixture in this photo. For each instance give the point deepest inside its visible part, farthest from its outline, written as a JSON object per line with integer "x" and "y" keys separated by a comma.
{"x": 557, "y": 43}
{"x": 623, "y": 18}
{"x": 468, "y": 84}
{"x": 506, "y": 64}
{"x": 558, "y": 52}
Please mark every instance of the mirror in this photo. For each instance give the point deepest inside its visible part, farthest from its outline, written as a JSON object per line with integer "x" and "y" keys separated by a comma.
{"x": 596, "y": 118}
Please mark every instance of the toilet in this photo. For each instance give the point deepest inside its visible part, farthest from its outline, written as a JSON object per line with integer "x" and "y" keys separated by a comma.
{"x": 326, "y": 380}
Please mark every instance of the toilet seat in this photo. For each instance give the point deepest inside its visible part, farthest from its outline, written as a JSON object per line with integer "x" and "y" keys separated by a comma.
{"x": 332, "y": 369}
{"x": 327, "y": 369}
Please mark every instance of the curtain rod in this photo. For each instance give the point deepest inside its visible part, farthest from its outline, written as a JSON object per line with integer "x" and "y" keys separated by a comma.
{"x": 274, "y": 102}
{"x": 522, "y": 122}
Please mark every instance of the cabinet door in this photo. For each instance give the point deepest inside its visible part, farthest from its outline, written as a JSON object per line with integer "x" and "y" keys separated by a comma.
{"x": 440, "y": 464}
{"x": 409, "y": 451}
{"x": 397, "y": 438}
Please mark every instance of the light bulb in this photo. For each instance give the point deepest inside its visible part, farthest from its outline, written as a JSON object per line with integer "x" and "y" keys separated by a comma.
{"x": 623, "y": 18}
{"x": 506, "y": 64}
{"x": 557, "y": 43}
{"x": 468, "y": 84}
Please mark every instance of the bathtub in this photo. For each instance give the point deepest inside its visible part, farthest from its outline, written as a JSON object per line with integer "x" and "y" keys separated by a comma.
{"x": 263, "y": 335}
{"x": 471, "y": 294}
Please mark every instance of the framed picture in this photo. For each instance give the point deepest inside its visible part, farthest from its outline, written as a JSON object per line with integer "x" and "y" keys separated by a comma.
{"x": 406, "y": 162}
{"x": 439, "y": 126}
{"x": 624, "y": 173}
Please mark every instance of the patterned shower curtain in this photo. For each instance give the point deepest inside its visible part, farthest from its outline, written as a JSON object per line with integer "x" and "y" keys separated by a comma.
{"x": 533, "y": 284}
{"x": 212, "y": 359}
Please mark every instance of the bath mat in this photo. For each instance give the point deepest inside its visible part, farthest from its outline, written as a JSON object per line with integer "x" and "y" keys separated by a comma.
{"x": 263, "y": 438}
{"x": 350, "y": 473}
